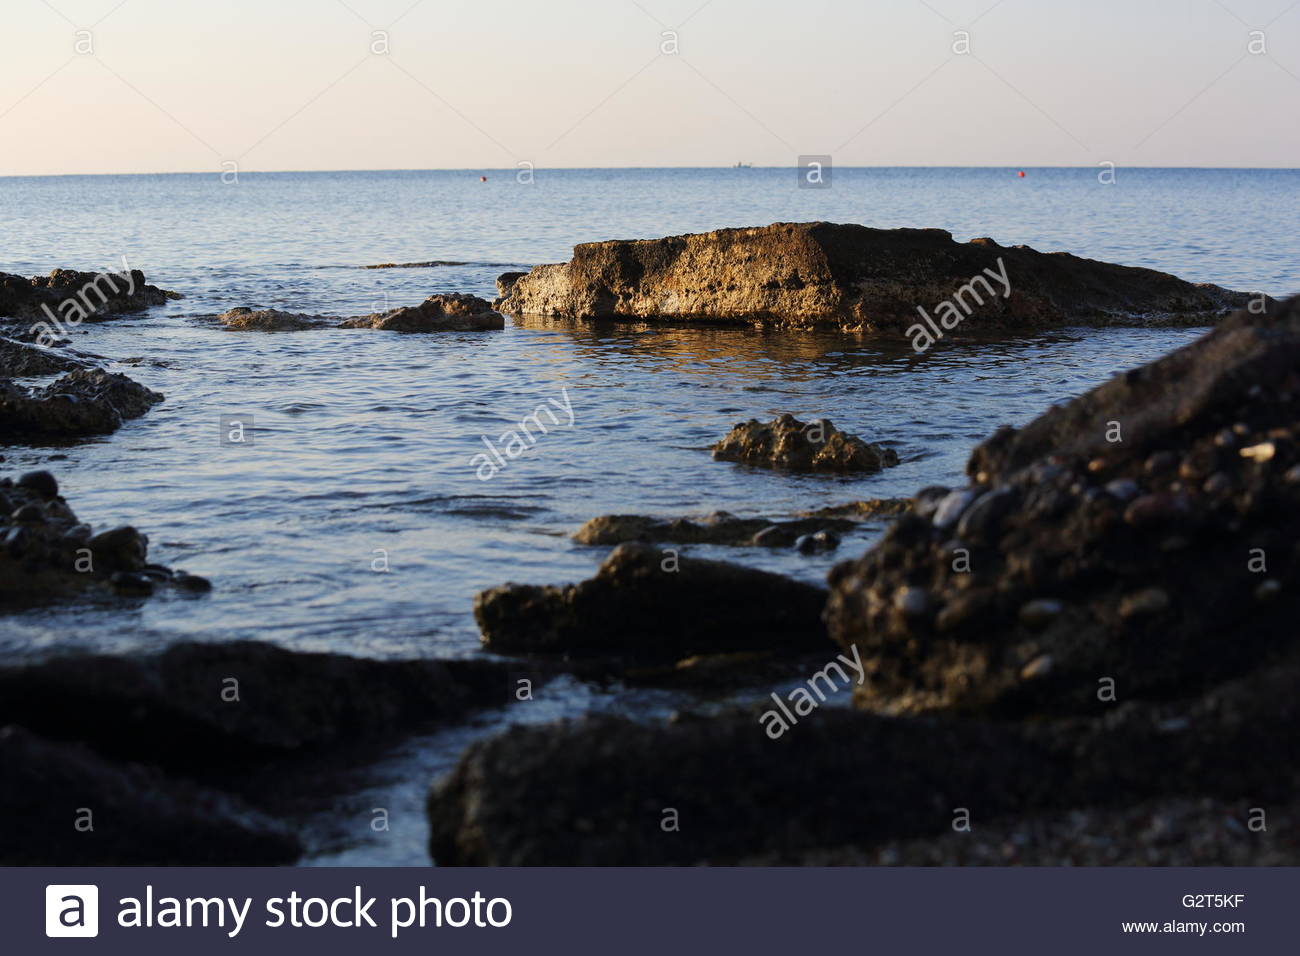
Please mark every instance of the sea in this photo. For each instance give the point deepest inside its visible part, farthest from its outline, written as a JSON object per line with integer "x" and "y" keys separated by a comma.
{"x": 353, "y": 518}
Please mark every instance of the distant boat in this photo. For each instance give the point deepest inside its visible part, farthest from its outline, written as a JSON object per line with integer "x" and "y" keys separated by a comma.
{"x": 743, "y": 166}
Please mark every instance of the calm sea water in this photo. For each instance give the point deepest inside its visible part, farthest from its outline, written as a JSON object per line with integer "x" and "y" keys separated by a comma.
{"x": 362, "y": 442}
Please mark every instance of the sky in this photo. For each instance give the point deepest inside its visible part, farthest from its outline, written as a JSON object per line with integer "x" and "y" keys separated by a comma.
{"x": 139, "y": 86}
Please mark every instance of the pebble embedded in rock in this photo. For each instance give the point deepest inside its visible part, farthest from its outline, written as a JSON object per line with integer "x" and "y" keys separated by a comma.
{"x": 1123, "y": 489}
{"x": 1260, "y": 453}
{"x": 1039, "y": 613}
{"x": 914, "y": 602}
{"x": 1268, "y": 589}
{"x": 1148, "y": 601}
{"x": 1040, "y": 666}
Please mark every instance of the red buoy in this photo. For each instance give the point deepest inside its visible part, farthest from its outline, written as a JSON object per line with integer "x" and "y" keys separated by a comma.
{"x": 483, "y": 179}
{"x": 1022, "y": 174}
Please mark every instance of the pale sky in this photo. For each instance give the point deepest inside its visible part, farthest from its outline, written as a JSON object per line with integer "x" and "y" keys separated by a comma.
{"x": 185, "y": 86}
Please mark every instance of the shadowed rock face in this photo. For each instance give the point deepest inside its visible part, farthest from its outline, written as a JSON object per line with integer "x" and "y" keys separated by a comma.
{"x": 114, "y": 294}
{"x": 174, "y": 709}
{"x": 20, "y": 360}
{"x": 789, "y": 444}
{"x": 273, "y": 320}
{"x": 83, "y": 402}
{"x": 594, "y": 792}
{"x": 140, "y": 818}
{"x": 648, "y": 604}
{"x": 1145, "y": 532}
{"x": 854, "y": 277}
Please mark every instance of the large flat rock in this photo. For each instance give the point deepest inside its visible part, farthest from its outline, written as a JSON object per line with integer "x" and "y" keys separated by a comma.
{"x": 811, "y": 274}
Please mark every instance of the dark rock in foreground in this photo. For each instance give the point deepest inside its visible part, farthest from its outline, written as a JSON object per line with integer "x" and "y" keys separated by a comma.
{"x": 1143, "y": 533}
{"x": 820, "y": 273}
{"x": 66, "y": 294}
{"x": 719, "y": 528}
{"x": 47, "y": 555}
{"x": 66, "y": 806}
{"x": 439, "y": 313}
{"x": 81, "y": 403}
{"x": 650, "y": 604}
{"x": 790, "y": 444}
{"x": 205, "y": 709}
{"x": 598, "y": 792}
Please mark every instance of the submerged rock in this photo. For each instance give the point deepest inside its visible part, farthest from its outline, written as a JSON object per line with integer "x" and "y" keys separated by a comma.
{"x": 68, "y": 294}
{"x": 719, "y": 528}
{"x": 788, "y": 443}
{"x": 273, "y": 320}
{"x": 1152, "y": 579}
{"x": 46, "y": 554}
{"x": 70, "y": 807}
{"x": 83, "y": 402}
{"x": 650, "y": 604}
{"x": 454, "y": 312}
{"x": 848, "y": 275}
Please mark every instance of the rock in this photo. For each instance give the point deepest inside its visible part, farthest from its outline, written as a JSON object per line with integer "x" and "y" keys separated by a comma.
{"x": 790, "y": 444}
{"x": 505, "y": 283}
{"x": 81, "y": 403}
{"x": 1148, "y": 601}
{"x": 1156, "y": 591}
{"x": 48, "y": 555}
{"x": 23, "y": 360}
{"x": 41, "y": 482}
{"x": 864, "y": 510}
{"x": 594, "y": 792}
{"x": 208, "y": 710}
{"x": 1039, "y": 613}
{"x": 805, "y": 274}
{"x": 273, "y": 320}
{"x": 717, "y": 529}
{"x": 649, "y": 604}
{"x": 819, "y": 542}
{"x": 69, "y": 294}
{"x": 439, "y": 313}
{"x": 139, "y": 817}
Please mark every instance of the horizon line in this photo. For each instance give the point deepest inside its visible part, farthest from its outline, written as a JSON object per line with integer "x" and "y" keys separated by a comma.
{"x": 515, "y": 169}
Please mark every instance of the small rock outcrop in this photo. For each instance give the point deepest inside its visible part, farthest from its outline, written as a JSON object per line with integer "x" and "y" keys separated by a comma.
{"x": 455, "y": 312}
{"x": 720, "y": 528}
{"x": 789, "y": 444}
{"x": 88, "y": 401}
{"x": 820, "y": 273}
{"x": 273, "y": 320}
{"x": 47, "y": 555}
{"x": 649, "y": 604}
{"x": 1144, "y": 532}
{"x": 24, "y": 360}
{"x": 66, "y": 293}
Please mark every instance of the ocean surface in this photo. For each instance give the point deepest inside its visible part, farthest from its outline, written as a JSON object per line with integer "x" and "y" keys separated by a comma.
{"x": 363, "y": 443}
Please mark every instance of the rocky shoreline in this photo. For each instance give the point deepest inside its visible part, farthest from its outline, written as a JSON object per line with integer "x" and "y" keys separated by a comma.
{"x": 1086, "y": 651}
